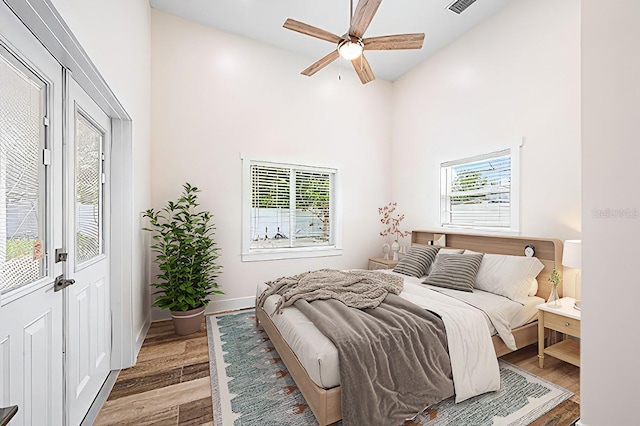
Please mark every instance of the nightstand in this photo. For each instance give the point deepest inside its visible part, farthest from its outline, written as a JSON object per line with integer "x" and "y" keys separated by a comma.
{"x": 380, "y": 263}
{"x": 565, "y": 319}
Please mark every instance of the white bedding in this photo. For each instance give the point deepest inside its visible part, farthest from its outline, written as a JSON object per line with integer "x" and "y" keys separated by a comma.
{"x": 314, "y": 350}
{"x": 528, "y": 313}
{"x": 473, "y": 359}
{"x": 491, "y": 314}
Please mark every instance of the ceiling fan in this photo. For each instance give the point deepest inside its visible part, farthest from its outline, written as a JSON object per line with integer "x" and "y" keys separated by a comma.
{"x": 351, "y": 45}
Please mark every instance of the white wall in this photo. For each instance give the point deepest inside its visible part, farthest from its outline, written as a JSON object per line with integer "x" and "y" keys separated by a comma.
{"x": 217, "y": 95}
{"x": 116, "y": 36}
{"x": 610, "y": 173}
{"x": 515, "y": 75}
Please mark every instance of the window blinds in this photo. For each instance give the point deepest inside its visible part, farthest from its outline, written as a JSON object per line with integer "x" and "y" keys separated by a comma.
{"x": 476, "y": 192}
{"x": 22, "y": 176}
{"x": 290, "y": 206}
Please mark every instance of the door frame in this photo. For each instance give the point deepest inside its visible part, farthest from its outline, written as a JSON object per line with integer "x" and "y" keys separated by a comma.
{"x": 42, "y": 19}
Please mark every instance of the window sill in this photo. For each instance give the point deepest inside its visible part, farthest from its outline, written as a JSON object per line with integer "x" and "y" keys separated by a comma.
{"x": 281, "y": 254}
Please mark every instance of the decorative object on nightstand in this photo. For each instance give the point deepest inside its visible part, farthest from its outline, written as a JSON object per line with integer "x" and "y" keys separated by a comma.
{"x": 380, "y": 263}
{"x": 572, "y": 258}
{"x": 553, "y": 297}
{"x": 385, "y": 250}
{"x": 564, "y": 319}
{"x": 395, "y": 248}
{"x": 392, "y": 222}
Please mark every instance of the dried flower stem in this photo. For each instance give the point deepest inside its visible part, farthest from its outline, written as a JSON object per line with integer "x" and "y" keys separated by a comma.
{"x": 391, "y": 221}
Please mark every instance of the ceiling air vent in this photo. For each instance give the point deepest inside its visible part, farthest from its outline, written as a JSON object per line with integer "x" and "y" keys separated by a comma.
{"x": 460, "y": 6}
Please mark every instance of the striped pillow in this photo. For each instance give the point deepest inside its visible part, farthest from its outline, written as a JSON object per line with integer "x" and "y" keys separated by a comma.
{"x": 416, "y": 263}
{"x": 455, "y": 271}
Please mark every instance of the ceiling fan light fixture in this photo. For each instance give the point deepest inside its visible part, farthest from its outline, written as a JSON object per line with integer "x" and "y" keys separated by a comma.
{"x": 350, "y": 49}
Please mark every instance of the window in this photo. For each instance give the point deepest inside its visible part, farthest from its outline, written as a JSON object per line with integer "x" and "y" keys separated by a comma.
{"x": 481, "y": 192}
{"x": 23, "y": 231}
{"x": 290, "y": 211}
{"x": 89, "y": 196}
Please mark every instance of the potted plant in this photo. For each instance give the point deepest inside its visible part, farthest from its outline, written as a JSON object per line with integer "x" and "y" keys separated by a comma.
{"x": 392, "y": 226}
{"x": 554, "y": 279}
{"x": 186, "y": 254}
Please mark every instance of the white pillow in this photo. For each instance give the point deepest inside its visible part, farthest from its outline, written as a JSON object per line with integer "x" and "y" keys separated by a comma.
{"x": 533, "y": 289}
{"x": 508, "y": 276}
{"x": 451, "y": 251}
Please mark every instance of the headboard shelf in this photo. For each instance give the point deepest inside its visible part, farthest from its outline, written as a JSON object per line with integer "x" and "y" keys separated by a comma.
{"x": 547, "y": 250}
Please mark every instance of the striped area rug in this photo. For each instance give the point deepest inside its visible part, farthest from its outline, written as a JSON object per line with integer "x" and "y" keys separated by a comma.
{"x": 251, "y": 386}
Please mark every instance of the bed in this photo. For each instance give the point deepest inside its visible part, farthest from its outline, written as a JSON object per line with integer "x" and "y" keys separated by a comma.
{"x": 320, "y": 385}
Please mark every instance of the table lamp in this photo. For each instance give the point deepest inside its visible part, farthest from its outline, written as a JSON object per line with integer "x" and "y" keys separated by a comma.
{"x": 572, "y": 258}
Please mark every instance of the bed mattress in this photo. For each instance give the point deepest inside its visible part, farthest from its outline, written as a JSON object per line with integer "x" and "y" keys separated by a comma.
{"x": 319, "y": 356}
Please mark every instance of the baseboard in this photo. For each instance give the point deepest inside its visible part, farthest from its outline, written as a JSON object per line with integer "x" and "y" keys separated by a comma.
{"x": 101, "y": 398}
{"x": 141, "y": 336}
{"x": 231, "y": 304}
{"x": 213, "y": 307}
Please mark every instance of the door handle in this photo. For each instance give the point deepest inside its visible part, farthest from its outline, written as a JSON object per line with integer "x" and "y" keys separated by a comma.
{"x": 61, "y": 282}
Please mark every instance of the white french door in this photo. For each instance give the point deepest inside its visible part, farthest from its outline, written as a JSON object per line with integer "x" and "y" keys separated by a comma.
{"x": 55, "y": 312}
{"x": 31, "y": 311}
{"x": 88, "y": 313}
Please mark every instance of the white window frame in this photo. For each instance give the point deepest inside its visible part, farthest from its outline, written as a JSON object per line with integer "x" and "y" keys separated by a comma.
{"x": 514, "y": 201}
{"x": 335, "y": 234}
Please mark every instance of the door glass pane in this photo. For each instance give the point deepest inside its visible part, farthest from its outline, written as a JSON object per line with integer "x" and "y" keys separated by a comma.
{"x": 88, "y": 190}
{"x": 22, "y": 175}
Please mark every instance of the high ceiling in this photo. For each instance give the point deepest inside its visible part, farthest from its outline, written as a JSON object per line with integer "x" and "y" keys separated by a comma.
{"x": 262, "y": 20}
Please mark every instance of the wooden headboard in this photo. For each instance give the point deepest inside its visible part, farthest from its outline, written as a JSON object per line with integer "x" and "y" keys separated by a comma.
{"x": 547, "y": 250}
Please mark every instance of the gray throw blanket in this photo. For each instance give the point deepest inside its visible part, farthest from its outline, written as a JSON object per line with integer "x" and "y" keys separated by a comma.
{"x": 357, "y": 288}
{"x": 394, "y": 360}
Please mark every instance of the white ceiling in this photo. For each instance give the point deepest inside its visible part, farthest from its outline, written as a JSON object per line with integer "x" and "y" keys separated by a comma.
{"x": 262, "y": 20}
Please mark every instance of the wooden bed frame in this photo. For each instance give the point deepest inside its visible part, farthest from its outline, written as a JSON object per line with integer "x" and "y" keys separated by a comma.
{"x": 326, "y": 403}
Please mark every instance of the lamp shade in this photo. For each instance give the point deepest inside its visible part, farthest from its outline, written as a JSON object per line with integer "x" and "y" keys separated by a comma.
{"x": 350, "y": 50}
{"x": 572, "y": 254}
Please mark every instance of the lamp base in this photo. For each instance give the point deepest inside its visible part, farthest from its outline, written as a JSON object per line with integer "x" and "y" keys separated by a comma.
{"x": 577, "y": 305}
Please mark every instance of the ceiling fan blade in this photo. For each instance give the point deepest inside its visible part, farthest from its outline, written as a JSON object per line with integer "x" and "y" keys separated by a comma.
{"x": 362, "y": 17}
{"x": 393, "y": 42}
{"x": 301, "y": 27}
{"x": 321, "y": 63}
{"x": 361, "y": 65}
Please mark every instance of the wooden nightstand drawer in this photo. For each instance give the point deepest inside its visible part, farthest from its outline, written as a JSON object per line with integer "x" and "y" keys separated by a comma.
{"x": 380, "y": 263}
{"x": 562, "y": 324}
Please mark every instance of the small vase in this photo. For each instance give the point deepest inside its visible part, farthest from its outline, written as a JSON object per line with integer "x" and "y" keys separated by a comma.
{"x": 554, "y": 300}
{"x": 395, "y": 248}
{"x": 386, "y": 249}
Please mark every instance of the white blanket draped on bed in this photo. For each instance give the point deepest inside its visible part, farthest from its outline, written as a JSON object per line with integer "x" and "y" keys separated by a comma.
{"x": 473, "y": 359}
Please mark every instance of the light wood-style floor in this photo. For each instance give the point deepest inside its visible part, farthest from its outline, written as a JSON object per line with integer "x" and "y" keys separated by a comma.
{"x": 170, "y": 383}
